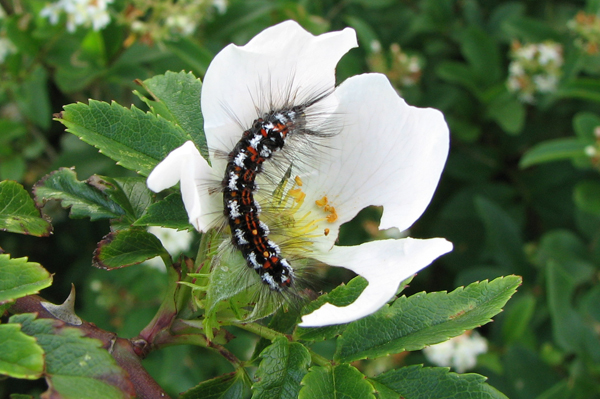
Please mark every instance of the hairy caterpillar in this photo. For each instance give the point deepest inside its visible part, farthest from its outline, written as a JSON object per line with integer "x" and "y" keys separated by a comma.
{"x": 249, "y": 234}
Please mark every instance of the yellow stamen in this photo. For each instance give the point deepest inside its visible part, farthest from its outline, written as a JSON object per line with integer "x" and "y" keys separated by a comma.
{"x": 322, "y": 202}
{"x": 298, "y": 181}
{"x": 332, "y": 217}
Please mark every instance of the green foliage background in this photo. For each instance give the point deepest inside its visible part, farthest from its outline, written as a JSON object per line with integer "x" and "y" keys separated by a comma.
{"x": 519, "y": 195}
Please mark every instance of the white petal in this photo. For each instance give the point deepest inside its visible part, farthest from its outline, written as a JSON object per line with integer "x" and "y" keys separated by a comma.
{"x": 385, "y": 264}
{"x": 186, "y": 165}
{"x": 281, "y": 61}
{"x": 387, "y": 153}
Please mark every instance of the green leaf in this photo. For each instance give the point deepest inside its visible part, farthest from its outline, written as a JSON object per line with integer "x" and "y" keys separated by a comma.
{"x": 458, "y": 73}
{"x": 18, "y": 213}
{"x": 179, "y": 93}
{"x": 283, "y": 366}
{"x": 228, "y": 386}
{"x": 33, "y": 98}
{"x": 83, "y": 199}
{"x": 20, "y": 278}
{"x": 585, "y": 89}
{"x": 335, "y": 382}
{"x": 130, "y": 193}
{"x": 553, "y": 150}
{"x": 168, "y": 212}
{"x": 508, "y": 112}
{"x": 587, "y": 196}
{"x": 135, "y": 139}
{"x": 20, "y": 355}
{"x": 418, "y": 382}
{"x": 127, "y": 247}
{"x": 530, "y": 30}
{"x": 13, "y": 168}
{"x": 503, "y": 237}
{"x": 518, "y": 317}
{"x": 585, "y": 124}
{"x": 342, "y": 295}
{"x": 482, "y": 53}
{"x": 569, "y": 328}
{"x": 76, "y": 366}
{"x": 424, "y": 319}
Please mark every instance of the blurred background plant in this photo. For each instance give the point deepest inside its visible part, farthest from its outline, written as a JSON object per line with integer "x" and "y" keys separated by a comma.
{"x": 518, "y": 81}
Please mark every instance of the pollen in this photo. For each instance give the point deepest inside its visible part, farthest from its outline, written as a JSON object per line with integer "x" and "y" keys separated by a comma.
{"x": 326, "y": 232}
{"x": 332, "y": 217}
{"x": 322, "y": 202}
{"x": 330, "y": 209}
{"x": 298, "y": 181}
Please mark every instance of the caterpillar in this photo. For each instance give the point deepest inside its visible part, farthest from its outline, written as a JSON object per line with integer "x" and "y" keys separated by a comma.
{"x": 267, "y": 135}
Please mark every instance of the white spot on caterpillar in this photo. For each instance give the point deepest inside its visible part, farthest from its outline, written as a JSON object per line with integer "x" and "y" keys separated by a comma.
{"x": 234, "y": 209}
{"x": 265, "y": 228}
{"x": 239, "y": 159}
{"x": 255, "y": 141}
{"x": 267, "y": 278}
{"x": 274, "y": 247}
{"x": 265, "y": 152}
{"x": 252, "y": 259}
{"x": 232, "y": 181}
{"x": 239, "y": 234}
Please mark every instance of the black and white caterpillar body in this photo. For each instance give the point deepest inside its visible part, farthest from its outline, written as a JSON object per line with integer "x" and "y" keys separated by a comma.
{"x": 249, "y": 234}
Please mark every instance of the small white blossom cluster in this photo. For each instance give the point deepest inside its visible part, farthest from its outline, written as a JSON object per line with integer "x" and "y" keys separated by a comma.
{"x": 587, "y": 29}
{"x": 157, "y": 20}
{"x": 460, "y": 352}
{"x": 402, "y": 69}
{"x": 85, "y": 13}
{"x": 535, "y": 68}
{"x": 174, "y": 241}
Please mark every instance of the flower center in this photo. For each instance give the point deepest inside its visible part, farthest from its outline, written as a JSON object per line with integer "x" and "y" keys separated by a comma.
{"x": 300, "y": 227}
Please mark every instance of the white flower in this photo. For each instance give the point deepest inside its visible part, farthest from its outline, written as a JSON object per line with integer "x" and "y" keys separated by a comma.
{"x": 92, "y": 13}
{"x": 181, "y": 24}
{"x": 545, "y": 83}
{"x": 386, "y": 153}
{"x": 52, "y": 11}
{"x": 526, "y": 52}
{"x": 550, "y": 52}
{"x": 459, "y": 352}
